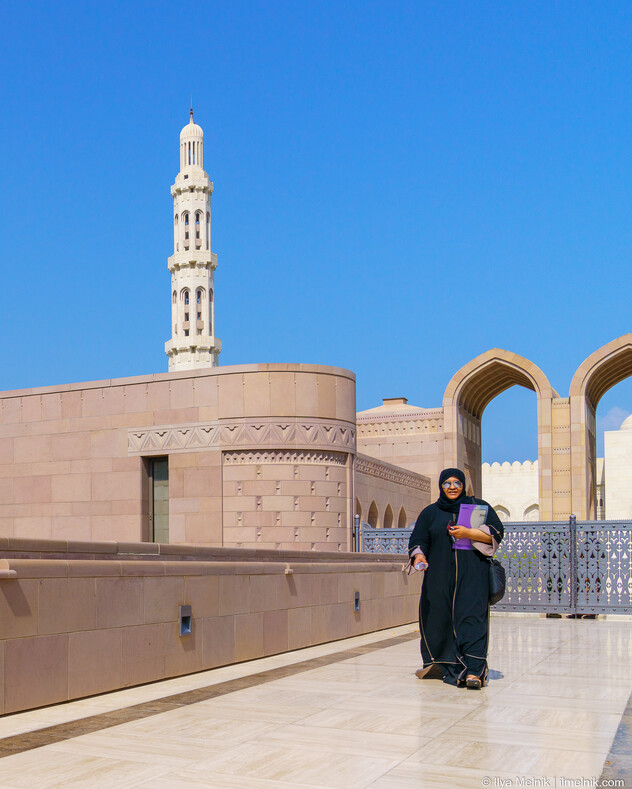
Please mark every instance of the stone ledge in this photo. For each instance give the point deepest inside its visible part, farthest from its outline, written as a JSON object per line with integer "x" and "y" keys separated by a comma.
{"x": 72, "y": 568}
{"x": 24, "y": 549}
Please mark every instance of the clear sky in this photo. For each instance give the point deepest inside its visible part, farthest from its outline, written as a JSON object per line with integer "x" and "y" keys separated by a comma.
{"x": 399, "y": 186}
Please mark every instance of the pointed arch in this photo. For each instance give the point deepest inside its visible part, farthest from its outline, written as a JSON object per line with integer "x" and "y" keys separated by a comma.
{"x": 358, "y": 508}
{"x": 185, "y": 229}
{"x": 372, "y": 517}
{"x": 478, "y": 382}
{"x": 401, "y": 520}
{"x": 503, "y": 512}
{"x": 603, "y": 369}
{"x": 388, "y": 517}
{"x": 531, "y": 513}
{"x": 470, "y": 391}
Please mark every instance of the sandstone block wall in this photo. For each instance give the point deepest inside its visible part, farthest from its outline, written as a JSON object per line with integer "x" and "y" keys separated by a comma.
{"x": 73, "y": 627}
{"x": 287, "y": 499}
{"x": 74, "y": 459}
{"x": 380, "y": 484}
{"x": 412, "y": 439}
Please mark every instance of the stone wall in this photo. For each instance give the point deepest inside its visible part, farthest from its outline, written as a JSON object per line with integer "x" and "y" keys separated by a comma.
{"x": 276, "y": 441}
{"x": 286, "y": 498}
{"x": 379, "y": 484}
{"x": 73, "y": 627}
{"x": 512, "y": 489}
{"x": 404, "y": 435}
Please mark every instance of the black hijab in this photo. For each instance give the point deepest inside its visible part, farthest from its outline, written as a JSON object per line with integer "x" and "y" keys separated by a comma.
{"x": 443, "y": 502}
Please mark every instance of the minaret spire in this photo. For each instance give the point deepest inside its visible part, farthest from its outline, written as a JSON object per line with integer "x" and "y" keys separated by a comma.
{"x": 193, "y": 343}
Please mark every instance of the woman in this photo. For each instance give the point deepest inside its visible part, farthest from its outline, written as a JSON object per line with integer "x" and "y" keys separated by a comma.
{"x": 454, "y": 605}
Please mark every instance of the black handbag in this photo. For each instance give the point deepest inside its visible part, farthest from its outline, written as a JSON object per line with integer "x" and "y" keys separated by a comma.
{"x": 497, "y": 581}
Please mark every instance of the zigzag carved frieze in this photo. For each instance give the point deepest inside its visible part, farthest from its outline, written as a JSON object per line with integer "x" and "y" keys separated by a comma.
{"x": 241, "y": 435}
{"x": 253, "y": 457}
{"x": 400, "y": 426}
{"x": 376, "y": 469}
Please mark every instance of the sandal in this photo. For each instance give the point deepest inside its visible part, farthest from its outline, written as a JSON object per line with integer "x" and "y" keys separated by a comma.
{"x": 474, "y": 682}
{"x": 433, "y": 671}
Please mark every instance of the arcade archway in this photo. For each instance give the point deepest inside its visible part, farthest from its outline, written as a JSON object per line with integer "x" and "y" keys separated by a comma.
{"x": 467, "y": 395}
{"x": 603, "y": 369}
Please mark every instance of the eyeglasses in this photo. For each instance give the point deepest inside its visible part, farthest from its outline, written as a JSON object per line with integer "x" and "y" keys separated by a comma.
{"x": 448, "y": 485}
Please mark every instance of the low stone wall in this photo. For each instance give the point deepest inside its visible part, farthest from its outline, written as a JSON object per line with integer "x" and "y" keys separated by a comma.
{"x": 73, "y": 627}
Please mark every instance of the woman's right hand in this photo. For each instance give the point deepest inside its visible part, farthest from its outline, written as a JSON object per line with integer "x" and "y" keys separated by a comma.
{"x": 420, "y": 562}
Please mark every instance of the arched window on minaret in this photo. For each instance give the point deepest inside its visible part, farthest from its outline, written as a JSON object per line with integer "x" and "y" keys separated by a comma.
{"x": 211, "y": 312}
{"x": 174, "y": 311}
{"x": 208, "y": 230}
{"x": 198, "y": 229}
{"x": 186, "y": 312}
{"x": 185, "y": 222}
{"x": 199, "y": 310}
{"x": 176, "y": 230}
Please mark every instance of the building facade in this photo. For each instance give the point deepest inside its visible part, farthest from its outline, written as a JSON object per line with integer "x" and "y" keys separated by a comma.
{"x": 245, "y": 456}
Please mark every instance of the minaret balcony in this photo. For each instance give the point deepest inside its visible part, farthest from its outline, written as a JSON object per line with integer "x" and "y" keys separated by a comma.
{"x": 197, "y": 179}
{"x": 196, "y": 258}
{"x": 199, "y": 342}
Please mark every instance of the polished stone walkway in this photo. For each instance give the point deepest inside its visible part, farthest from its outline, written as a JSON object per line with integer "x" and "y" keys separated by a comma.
{"x": 351, "y": 714}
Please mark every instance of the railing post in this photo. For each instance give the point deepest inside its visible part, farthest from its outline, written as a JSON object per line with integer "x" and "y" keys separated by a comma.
{"x": 572, "y": 546}
{"x": 356, "y": 533}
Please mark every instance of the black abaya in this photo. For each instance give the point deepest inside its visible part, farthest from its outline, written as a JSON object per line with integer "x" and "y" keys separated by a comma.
{"x": 454, "y": 604}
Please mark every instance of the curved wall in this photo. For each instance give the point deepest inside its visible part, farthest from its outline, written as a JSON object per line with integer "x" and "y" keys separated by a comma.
{"x": 259, "y": 455}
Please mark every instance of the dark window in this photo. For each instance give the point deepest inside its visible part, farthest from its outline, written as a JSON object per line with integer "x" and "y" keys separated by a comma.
{"x": 159, "y": 499}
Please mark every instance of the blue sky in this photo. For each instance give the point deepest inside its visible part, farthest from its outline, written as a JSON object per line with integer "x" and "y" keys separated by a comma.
{"x": 399, "y": 186}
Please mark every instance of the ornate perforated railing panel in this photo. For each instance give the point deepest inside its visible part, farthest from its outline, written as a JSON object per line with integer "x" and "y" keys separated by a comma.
{"x": 385, "y": 540}
{"x": 604, "y": 569}
{"x": 553, "y": 567}
{"x": 538, "y": 563}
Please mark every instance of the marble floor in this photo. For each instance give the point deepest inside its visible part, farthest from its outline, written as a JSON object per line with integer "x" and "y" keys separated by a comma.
{"x": 351, "y": 714}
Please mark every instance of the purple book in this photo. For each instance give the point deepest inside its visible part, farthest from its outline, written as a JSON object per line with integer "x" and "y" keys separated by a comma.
{"x": 472, "y": 516}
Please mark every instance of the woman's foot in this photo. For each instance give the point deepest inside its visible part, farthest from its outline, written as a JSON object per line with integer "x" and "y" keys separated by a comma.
{"x": 433, "y": 671}
{"x": 473, "y": 682}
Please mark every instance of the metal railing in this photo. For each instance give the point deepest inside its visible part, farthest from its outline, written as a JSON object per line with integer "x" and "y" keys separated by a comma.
{"x": 578, "y": 567}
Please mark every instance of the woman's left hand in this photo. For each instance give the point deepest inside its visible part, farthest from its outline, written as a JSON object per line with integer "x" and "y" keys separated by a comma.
{"x": 459, "y": 532}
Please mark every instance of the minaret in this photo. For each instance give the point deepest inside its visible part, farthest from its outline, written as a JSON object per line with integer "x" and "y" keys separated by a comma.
{"x": 193, "y": 343}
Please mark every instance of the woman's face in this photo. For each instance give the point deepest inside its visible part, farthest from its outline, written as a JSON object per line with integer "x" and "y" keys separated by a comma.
{"x": 452, "y": 487}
